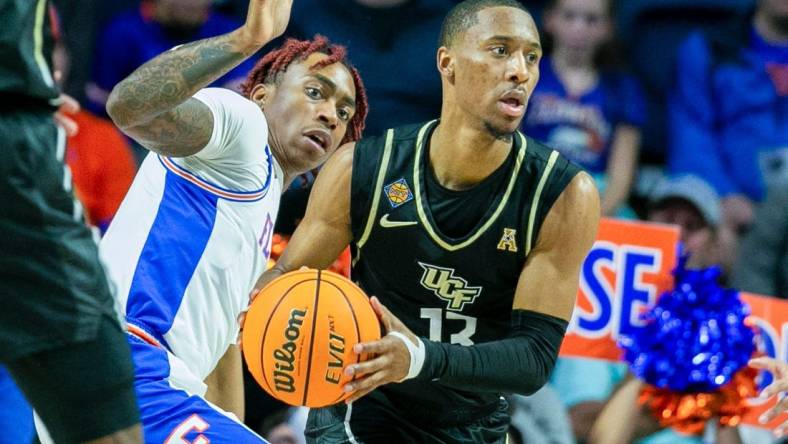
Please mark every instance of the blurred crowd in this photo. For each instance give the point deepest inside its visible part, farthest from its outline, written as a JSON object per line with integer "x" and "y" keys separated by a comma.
{"x": 679, "y": 109}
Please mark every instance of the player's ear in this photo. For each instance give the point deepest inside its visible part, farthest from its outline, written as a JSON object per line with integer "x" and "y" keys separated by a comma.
{"x": 261, "y": 94}
{"x": 445, "y": 63}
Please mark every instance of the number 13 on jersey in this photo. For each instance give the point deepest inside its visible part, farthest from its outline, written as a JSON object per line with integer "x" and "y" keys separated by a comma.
{"x": 435, "y": 316}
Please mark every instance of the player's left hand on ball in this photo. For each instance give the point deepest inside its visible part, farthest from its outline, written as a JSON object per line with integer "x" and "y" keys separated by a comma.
{"x": 391, "y": 357}
{"x": 259, "y": 285}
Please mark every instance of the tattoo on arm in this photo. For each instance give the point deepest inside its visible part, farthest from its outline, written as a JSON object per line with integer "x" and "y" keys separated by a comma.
{"x": 154, "y": 105}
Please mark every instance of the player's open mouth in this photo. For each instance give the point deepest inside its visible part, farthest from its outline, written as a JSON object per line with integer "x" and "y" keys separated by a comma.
{"x": 320, "y": 138}
{"x": 512, "y": 103}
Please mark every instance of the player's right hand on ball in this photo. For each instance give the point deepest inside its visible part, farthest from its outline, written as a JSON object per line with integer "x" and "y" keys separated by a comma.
{"x": 267, "y": 19}
{"x": 391, "y": 357}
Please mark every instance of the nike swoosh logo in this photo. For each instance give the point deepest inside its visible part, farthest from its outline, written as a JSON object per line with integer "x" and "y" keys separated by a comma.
{"x": 386, "y": 223}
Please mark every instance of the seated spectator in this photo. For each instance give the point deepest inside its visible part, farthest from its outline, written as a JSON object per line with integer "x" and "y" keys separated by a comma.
{"x": 392, "y": 42}
{"x": 583, "y": 105}
{"x": 585, "y": 387}
{"x": 135, "y": 37}
{"x": 693, "y": 205}
{"x": 727, "y": 113}
{"x": 762, "y": 264}
{"x": 622, "y": 421}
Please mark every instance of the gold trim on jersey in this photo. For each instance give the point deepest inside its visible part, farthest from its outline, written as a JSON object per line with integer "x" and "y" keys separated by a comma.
{"x": 384, "y": 165}
{"x": 535, "y": 202}
{"x": 420, "y": 205}
{"x": 38, "y": 43}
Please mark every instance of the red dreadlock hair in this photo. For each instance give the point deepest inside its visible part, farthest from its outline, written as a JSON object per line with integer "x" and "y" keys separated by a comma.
{"x": 276, "y": 62}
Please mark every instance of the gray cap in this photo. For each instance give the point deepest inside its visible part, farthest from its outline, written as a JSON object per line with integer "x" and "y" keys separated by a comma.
{"x": 694, "y": 190}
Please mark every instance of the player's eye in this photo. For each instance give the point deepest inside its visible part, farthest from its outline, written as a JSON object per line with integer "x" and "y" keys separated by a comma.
{"x": 343, "y": 114}
{"x": 498, "y": 50}
{"x": 313, "y": 93}
{"x": 532, "y": 58}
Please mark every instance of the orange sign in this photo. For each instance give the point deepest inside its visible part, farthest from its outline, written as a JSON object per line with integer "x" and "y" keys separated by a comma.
{"x": 626, "y": 270}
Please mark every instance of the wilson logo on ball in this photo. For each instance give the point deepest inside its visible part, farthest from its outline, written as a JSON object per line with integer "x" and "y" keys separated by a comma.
{"x": 285, "y": 356}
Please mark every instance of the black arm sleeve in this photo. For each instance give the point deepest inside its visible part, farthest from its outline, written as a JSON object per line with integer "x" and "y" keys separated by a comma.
{"x": 519, "y": 363}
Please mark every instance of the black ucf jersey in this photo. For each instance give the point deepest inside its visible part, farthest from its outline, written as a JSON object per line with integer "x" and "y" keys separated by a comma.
{"x": 450, "y": 289}
{"x": 26, "y": 44}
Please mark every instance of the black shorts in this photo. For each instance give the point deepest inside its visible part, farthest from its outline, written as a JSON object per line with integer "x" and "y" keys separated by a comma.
{"x": 53, "y": 291}
{"x": 83, "y": 391}
{"x": 59, "y": 331}
{"x": 374, "y": 420}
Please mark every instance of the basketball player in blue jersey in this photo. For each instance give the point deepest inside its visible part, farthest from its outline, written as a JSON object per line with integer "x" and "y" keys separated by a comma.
{"x": 470, "y": 236}
{"x": 194, "y": 231}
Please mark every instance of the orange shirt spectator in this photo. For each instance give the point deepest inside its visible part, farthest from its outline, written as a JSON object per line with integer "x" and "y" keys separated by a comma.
{"x": 102, "y": 167}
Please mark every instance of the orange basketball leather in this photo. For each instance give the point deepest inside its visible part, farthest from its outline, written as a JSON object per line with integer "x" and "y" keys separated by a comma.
{"x": 299, "y": 336}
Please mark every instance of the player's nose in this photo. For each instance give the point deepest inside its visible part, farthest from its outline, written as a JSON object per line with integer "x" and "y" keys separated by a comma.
{"x": 517, "y": 69}
{"x": 327, "y": 115}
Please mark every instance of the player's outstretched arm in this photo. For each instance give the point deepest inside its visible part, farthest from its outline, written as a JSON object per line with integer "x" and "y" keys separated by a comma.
{"x": 325, "y": 230}
{"x": 543, "y": 304}
{"x": 153, "y": 104}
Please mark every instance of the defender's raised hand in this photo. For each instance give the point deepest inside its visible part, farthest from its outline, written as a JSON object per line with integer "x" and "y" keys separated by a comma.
{"x": 154, "y": 104}
{"x": 267, "y": 19}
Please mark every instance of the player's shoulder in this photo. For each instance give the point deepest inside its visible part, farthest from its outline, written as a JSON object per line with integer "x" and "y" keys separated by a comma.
{"x": 409, "y": 132}
{"x": 398, "y": 133}
{"x": 239, "y": 125}
{"x": 400, "y": 140}
{"x": 537, "y": 151}
{"x": 228, "y": 99}
{"x": 542, "y": 159}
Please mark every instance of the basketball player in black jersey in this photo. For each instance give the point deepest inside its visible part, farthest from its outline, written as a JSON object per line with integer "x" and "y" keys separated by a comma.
{"x": 469, "y": 235}
{"x": 60, "y": 336}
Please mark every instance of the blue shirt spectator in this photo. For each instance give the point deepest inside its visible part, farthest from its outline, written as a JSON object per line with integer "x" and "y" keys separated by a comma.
{"x": 582, "y": 127}
{"x": 134, "y": 37}
{"x": 583, "y": 106}
{"x": 729, "y": 117}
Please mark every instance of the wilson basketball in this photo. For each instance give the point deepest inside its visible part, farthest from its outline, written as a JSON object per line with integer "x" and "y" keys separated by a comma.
{"x": 299, "y": 336}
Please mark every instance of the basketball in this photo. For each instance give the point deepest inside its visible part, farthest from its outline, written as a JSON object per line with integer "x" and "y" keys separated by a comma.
{"x": 299, "y": 336}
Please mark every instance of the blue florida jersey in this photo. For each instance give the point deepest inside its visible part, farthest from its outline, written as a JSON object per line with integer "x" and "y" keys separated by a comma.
{"x": 194, "y": 233}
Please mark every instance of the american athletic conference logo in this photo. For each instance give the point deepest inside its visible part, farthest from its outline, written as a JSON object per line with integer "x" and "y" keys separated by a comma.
{"x": 452, "y": 289}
